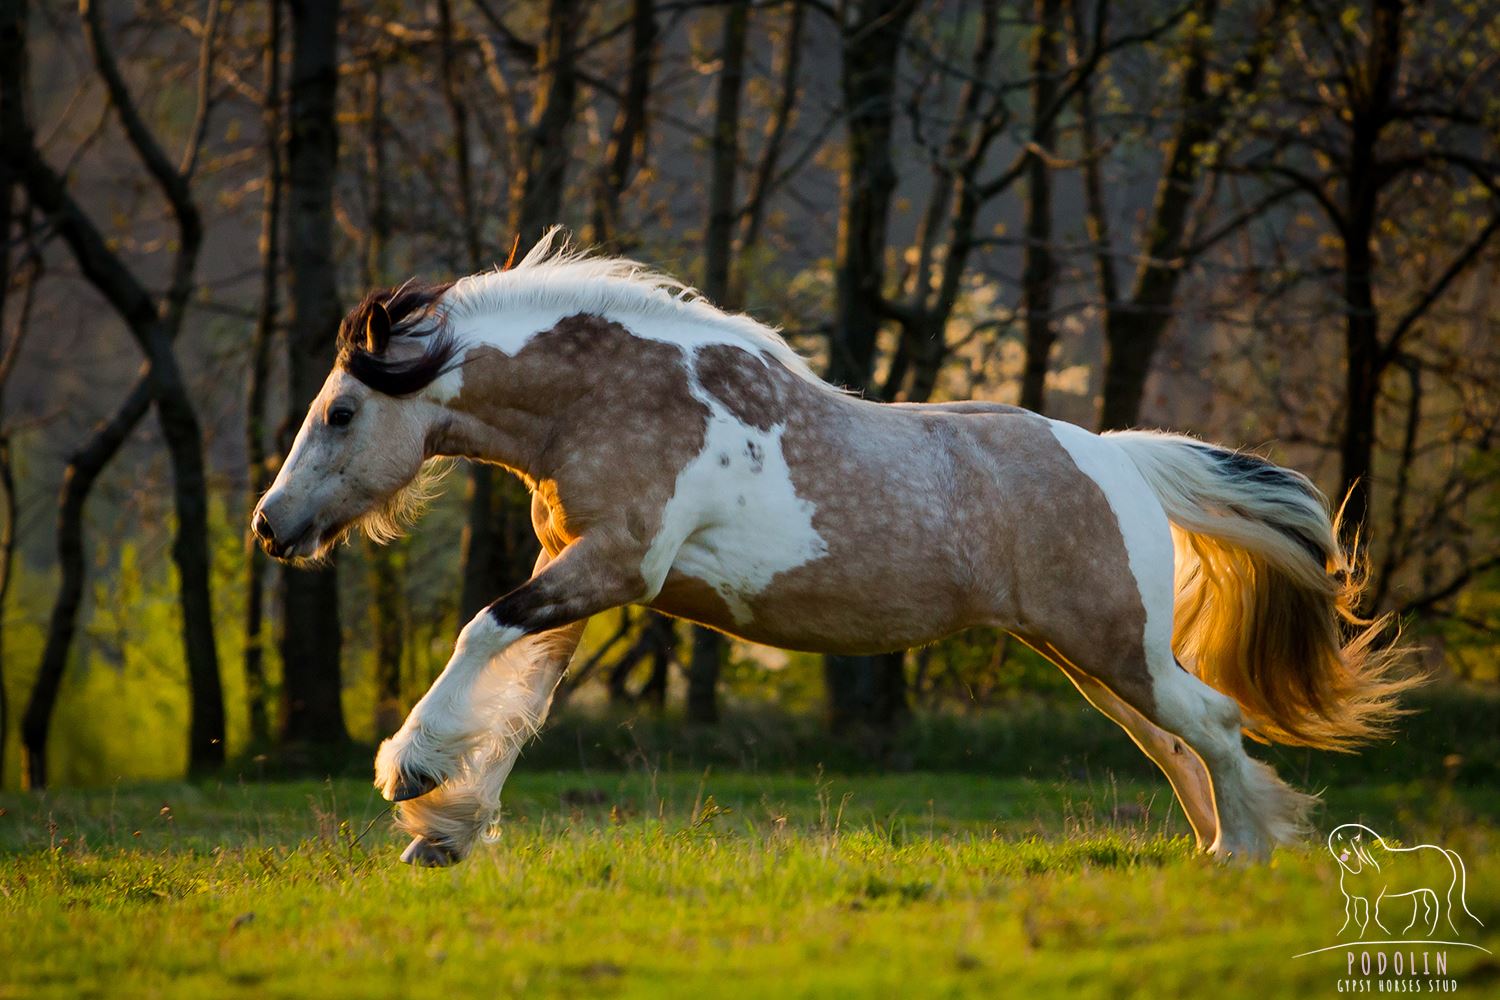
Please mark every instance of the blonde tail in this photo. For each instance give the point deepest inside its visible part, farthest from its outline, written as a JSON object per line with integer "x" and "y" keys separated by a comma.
{"x": 1267, "y": 600}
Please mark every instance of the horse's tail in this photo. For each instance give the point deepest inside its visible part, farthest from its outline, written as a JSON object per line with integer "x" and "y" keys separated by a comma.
{"x": 1266, "y": 598}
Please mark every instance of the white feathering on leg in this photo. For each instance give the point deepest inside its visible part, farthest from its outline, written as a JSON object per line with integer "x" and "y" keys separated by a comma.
{"x": 507, "y": 707}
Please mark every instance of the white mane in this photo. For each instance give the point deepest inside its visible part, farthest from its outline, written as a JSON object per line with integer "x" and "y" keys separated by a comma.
{"x": 558, "y": 277}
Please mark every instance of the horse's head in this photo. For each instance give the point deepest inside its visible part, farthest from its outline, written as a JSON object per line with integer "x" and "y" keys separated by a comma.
{"x": 357, "y": 461}
{"x": 1351, "y": 844}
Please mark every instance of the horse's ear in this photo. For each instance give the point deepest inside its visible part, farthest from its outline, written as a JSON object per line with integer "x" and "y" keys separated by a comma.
{"x": 377, "y": 329}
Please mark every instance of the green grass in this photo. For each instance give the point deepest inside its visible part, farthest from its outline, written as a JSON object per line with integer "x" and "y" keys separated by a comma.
{"x": 712, "y": 883}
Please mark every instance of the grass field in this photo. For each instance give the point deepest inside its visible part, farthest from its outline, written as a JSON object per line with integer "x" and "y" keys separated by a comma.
{"x": 709, "y": 883}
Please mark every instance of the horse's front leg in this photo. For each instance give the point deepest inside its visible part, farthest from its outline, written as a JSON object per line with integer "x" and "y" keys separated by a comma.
{"x": 588, "y": 576}
{"x": 510, "y": 701}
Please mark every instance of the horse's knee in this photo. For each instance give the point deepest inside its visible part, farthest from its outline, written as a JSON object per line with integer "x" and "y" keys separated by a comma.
{"x": 484, "y": 636}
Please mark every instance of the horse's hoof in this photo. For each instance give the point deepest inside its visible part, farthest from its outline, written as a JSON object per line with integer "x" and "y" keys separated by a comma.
{"x": 1240, "y": 856}
{"x": 425, "y": 853}
{"x": 413, "y": 786}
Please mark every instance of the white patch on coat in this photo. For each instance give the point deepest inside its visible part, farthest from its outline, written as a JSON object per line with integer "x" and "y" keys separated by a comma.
{"x": 1142, "y": 523}
{"x": 735, "y": 520}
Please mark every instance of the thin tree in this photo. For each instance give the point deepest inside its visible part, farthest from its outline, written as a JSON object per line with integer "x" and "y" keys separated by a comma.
{"x": 256, "y": 430}
{"x": 154, "y": 324}
{"x": 498, "y": 547}
{"x": 12, "y": 85}
{"x": 626, "y": 151}
{"x": 311, "y": 642}
{"x": 867, "y": 689}
{"x": 724, "y": 145}
{"x": 1135, "y": 323}
{"x": 1039, "y": 272}
{"x": 1369, "y": 148}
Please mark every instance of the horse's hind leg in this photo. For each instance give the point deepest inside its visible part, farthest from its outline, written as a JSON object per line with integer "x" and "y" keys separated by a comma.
{"x": 1188, "y": 777}
{"x": 1255, "y": 809}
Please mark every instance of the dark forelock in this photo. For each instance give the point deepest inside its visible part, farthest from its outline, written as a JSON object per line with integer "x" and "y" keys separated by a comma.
{"x": 415, "y": 316}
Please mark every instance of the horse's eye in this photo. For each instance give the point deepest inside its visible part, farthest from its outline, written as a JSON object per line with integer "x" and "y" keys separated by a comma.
{"x": 340, "y": 416}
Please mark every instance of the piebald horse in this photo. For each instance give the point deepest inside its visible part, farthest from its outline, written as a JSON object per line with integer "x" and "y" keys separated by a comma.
{"x": 688, "y": 459}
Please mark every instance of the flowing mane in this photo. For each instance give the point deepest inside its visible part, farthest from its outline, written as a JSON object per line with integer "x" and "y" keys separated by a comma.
{"x": 556, "y": 274}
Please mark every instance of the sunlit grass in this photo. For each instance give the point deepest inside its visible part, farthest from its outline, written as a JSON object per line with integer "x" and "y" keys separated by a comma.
{"x": 687, "y": 884}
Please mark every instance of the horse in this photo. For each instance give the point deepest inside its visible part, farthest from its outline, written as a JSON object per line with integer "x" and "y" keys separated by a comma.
{"x": 688, "y": 459}
{"x": 1371, "y": 872}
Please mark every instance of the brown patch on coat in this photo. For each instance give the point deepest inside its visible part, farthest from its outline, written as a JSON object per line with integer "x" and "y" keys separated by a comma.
{"x": 741, "y": 382}
{"x": 597, "y": 421}
{"x": 693, "y": 600}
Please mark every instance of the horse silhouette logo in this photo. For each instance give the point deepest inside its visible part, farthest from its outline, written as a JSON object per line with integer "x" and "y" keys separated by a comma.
{"x": 1425, "y": 882}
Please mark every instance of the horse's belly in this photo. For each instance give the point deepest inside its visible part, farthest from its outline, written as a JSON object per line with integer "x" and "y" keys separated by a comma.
{"x": 735, "y": 564}
{"x": 799, "y": 608}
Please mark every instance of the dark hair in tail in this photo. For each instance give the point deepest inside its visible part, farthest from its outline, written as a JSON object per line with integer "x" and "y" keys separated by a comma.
{"x": 1267, "y": 605}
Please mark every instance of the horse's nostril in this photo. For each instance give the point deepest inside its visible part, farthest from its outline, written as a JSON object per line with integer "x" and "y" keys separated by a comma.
{"x": 261, "y": 525}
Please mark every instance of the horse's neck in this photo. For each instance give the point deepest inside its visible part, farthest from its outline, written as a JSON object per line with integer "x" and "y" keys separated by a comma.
{"x": 500, "y": 437}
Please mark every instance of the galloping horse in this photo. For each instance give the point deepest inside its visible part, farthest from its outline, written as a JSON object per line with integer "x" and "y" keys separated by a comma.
{"x": 688, "y": 459}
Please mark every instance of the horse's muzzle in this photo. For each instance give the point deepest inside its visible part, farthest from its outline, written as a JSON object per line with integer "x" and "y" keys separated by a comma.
{"x": 276, "y": 547}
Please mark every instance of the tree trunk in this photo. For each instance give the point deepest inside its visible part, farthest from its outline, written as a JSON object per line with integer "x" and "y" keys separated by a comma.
{"x": 663, "y": 639}
{"x": 154, "y": 326}
{"x": 706, "y": 656}
{"x": 1039, "y": 272}
{"x": 867, "y": 696}
{"x": 7, "y": 564}
{"x": 190, "y": 551}
{"x": 865, "y": 688}
{"x": 1363, "y": 354}
{"x": 537, "y": 189}
{"x": 85, "y": 465}
{"x": 499, "y": 548}
{"x": 389, "y": 621}
{"x": 386, "y": 566}
{"x": 724, "y": 153}
{"x": 78, "y": 480}
{"x": 872, "y": 44}
{"x": 1133, "y": 328}
{"x": 256, "y": 686}
{"x": 312, "y": 709}
{"x": 1362, "y": 382}
{"x": 13, "y": 69}
{"x": 762, "y": 180}
{"x": 7, "y": 480}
